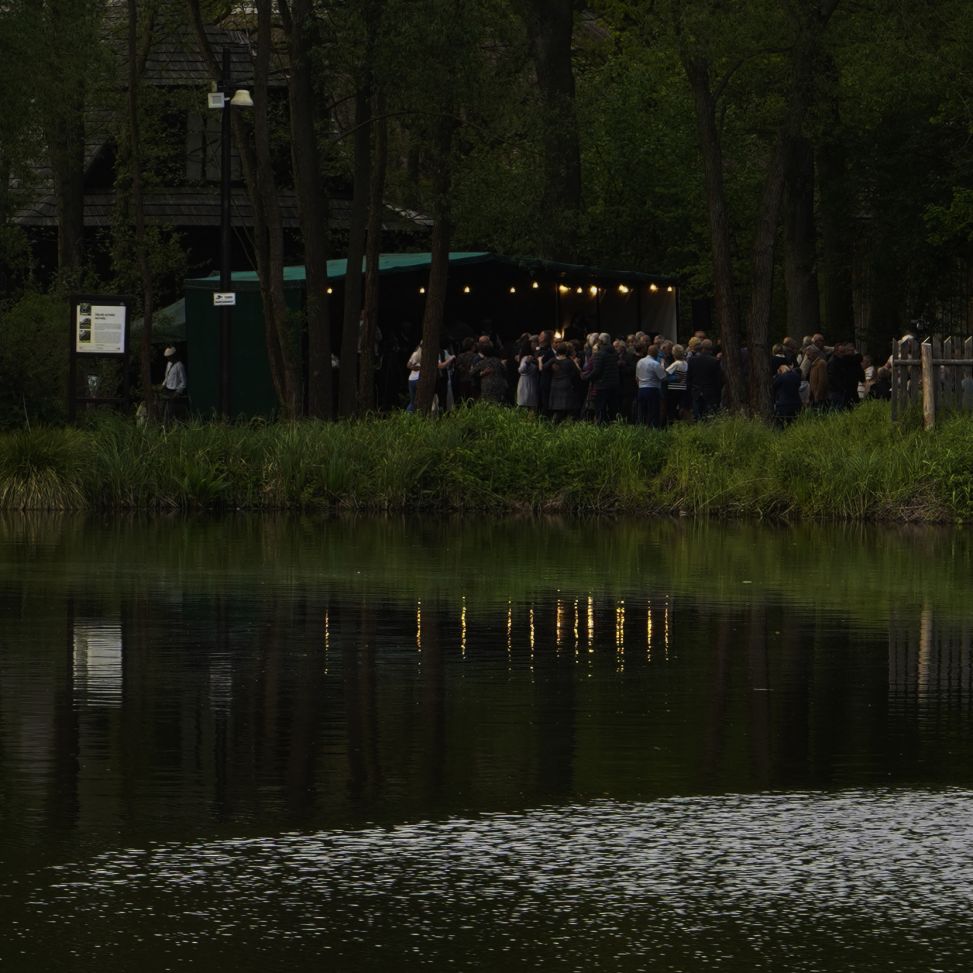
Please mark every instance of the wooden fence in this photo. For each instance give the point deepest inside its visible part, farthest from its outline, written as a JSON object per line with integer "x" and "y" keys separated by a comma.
{"x": 936, "y": 374}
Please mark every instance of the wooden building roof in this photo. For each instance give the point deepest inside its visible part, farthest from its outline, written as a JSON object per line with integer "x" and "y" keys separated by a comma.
{"x": 200, "y": 206}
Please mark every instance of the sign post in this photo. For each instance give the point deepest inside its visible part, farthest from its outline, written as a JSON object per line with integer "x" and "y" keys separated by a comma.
{"x": 98, "y": 333}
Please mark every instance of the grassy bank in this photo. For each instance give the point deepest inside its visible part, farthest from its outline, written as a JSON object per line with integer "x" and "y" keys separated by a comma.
{"x": 849, "y": 466}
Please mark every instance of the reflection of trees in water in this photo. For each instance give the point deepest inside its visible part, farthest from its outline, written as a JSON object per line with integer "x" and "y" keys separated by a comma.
{"x": 930, "y": 661}
{"x": 301, "y": 703}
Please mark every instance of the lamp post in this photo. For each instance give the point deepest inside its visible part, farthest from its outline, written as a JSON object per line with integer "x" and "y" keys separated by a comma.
{"x": 240, "y": 99}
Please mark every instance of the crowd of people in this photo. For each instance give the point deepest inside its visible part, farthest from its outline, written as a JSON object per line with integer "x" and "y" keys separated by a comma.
{"x": 643, "y": 378}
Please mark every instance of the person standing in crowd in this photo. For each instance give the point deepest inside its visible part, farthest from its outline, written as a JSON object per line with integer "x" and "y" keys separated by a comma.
{"x": 677, "y": 405}
{"x": 704, "y": 381}
{"x": 528, "y": 383}
{"x": 444, "y": 380}
{"x": 626, "y": 380}
{"x": 817, "y": 378}
{"x": 787, "y": 394}
{"x": 415, "y": 360}
{"x": 565, "y": 392}
{"x": 869, "y": 369}
{"x": 462, "y": 382}
{"x": 651, "y": 376}
{"x": 882, "y": 386}
{"x": 844, "y": 375}
{"x": 490, "y": 371}
{"x": 604, "y": 379}
{"x": 545, "y": 355}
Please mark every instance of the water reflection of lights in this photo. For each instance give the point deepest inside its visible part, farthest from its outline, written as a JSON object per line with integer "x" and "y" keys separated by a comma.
{"x": 577, "y": 626}
{"x": 97, "y": 663}
{"x": 327, "y": 639}
{"x": 648, "y": 632}
{"x": 591, "y": 625}
{"x": 568, "y": 619}
{"x": 510, "y": 630}
{"x": 620, "y": 636}
{"x": 462, "y": 628}
{"x": 532, "y": 638}
{"x": 665, "y": 627}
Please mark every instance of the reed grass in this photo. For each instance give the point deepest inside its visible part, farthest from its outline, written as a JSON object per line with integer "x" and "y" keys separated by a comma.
{"x": 849, "y": 466}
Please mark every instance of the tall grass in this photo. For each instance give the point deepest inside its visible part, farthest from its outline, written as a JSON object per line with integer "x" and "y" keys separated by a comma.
{"x": 855, "y": 465}
{"x": 43, "y": 469}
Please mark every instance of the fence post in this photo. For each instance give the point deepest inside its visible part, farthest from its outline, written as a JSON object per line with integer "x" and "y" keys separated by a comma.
{"x": 928, "y": 387}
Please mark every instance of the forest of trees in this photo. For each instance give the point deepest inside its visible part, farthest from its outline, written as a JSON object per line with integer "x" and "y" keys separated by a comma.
{"x": 805, "y": 163}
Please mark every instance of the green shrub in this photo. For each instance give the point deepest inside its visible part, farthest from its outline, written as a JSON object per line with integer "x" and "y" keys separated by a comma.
{"x": 43, "y": 469}
{"x": 34, "y": 360}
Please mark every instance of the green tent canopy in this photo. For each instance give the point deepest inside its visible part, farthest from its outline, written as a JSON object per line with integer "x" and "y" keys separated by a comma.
{"x": 397, "y": 263}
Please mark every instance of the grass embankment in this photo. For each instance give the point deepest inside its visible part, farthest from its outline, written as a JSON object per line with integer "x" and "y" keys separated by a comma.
{"x": 851, "y": 466}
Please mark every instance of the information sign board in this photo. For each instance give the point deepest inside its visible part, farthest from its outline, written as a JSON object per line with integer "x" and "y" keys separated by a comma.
{"x": 99, "y": 329}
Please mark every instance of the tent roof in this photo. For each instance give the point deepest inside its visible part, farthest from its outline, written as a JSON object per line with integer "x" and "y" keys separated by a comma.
{"x": 168, "y": 324}
{"x": 396, "y": 263}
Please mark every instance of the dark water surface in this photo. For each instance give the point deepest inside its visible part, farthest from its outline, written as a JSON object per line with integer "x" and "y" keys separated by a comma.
{"x": 365, "y": 745}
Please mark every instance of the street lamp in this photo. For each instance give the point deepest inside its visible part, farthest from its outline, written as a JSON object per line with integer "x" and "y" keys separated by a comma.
{"x": 218, "y": 99}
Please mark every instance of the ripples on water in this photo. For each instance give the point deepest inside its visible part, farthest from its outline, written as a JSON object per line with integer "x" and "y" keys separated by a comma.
{"x": 798, "y": 881}
{"x": 211, "y": 733}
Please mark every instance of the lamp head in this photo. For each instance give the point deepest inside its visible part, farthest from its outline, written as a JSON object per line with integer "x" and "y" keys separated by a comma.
{"x": 241, "y": 99}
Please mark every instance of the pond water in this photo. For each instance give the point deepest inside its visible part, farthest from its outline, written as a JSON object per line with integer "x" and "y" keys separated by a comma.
{"x": 426, "y": 744}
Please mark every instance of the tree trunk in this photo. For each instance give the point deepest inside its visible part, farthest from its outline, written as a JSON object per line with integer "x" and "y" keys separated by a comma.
{"x": 276, "y": 316}
{"x": 64, "y": 109}
{"x": 836, "y": 247}
{"x": 366, "y": 369}
{"x": 432, "y": 319}
{"x": 348, "y": 390}
{"x": 762, "y": 282}
{"x": 312, "y": 203}
{"x": 138, "y": 205}
{"x": 550, "y": 29}
{"x": 800, "y": 242}
{"x": 724, "y": 292}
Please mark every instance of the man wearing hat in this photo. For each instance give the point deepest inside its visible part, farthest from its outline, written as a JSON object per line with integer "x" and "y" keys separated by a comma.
{"x": 174, "y": 383}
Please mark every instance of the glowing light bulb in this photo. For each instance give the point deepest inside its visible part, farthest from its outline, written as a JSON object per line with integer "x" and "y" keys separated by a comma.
{"x": 653, "y": 287}
{"x": 593, "y": 290}
{"x": 534, "y": 285}
{"x": 422, "y": 290}
{"x": 622, "y": 288}
{"x": 580, "y": 290}
{"x": 513, "y": 290}
{"x": 466, "y": 289}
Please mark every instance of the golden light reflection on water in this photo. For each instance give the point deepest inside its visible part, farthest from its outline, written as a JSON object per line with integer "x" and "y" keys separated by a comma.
{"x": 577, "y": 627}
{"x": 572, "y": 621}
{"x": 648, "y": 632}
{"x": 327, "y": 640}
{"x": 620, "y": 636}
{"x": 665, "y": 627}
{"x": 591, "y": 624}
{"x": 462, "y": 628}
{"x": 510, "y": 631}
{"x": 532, "y": 637}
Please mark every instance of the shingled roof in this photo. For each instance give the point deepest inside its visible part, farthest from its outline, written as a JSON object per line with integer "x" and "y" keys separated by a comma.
{"x": 200, "y": 206}
{"x": 175, "y": 62}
